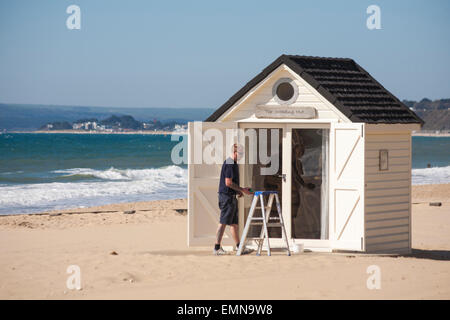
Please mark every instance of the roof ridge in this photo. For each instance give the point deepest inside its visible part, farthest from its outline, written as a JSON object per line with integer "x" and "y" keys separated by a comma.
{"x": 316, "y": 57}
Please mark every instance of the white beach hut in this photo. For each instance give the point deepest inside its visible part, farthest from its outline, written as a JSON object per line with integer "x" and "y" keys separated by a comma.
{"x": 345, "y": 157}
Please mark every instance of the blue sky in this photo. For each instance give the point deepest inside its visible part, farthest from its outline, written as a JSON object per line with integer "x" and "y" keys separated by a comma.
{"x": 199, "y": 53}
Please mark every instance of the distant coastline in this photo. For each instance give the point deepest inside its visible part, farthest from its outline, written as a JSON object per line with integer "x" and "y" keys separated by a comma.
{"x": 431, "y": 134}
{"x": 101, "y": 132}
{"x": 415, "y": 134}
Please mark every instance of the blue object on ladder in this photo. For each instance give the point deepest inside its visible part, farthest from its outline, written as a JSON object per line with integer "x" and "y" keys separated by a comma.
{"x": 257, "y": 193}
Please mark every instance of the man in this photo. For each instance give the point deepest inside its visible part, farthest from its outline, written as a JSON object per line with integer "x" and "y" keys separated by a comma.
{"x": 228, "y": 189}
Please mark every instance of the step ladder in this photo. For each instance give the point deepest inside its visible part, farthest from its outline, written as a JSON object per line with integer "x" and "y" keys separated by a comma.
{"x": 265, "y": 221}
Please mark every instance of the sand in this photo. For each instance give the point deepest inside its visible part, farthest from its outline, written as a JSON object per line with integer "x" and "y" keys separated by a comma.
{"x": 152, "y": 260}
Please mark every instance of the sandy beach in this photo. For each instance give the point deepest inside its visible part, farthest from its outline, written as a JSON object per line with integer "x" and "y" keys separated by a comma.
{"x": 145, "y": 256}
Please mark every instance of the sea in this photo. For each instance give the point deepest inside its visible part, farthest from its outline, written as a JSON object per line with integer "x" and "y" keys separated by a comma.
{"x": 43, "y": 172}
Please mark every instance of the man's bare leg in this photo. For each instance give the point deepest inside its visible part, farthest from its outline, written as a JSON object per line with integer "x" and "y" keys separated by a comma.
{"x": 219, "y": 233}
{"x": 235, "y": 233}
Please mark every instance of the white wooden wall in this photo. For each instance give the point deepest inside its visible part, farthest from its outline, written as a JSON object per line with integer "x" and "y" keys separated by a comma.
{"x": 261, "y": 94}
{"x": 388, "y": 193}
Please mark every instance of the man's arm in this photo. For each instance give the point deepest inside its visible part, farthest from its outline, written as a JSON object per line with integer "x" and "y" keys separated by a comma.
{"x": 230, "y": 184}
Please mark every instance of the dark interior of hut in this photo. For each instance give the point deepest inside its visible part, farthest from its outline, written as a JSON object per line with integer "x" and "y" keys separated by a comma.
{"x": 308, "y": 159}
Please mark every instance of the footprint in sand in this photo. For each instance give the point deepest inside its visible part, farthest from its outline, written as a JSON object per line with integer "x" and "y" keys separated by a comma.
{"x": 129, "y": 277}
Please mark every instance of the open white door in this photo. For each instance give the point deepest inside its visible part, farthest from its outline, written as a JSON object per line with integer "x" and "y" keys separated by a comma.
{"x": 207, "y": 141}
{"x": 347, "y": 186}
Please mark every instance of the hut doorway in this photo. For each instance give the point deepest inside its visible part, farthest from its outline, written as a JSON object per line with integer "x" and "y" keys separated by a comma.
{"x": 300, "y": 177}
{"x": 309, "y": 189}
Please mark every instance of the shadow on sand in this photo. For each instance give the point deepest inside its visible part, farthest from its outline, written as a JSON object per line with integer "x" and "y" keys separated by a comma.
{"x": 442, "y": 255}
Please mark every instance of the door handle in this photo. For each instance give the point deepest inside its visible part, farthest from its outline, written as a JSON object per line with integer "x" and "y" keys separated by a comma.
{"x": 282, "y": 176}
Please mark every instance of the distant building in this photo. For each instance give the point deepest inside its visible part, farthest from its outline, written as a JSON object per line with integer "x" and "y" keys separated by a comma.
{"x": 88, "y": 125}
{"x": 147, "y": 126}
{"x": 180, "y": 128}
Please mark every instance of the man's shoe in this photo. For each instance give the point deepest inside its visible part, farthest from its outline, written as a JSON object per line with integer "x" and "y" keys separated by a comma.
{"x": 219, "y": 252}
{"x": 245, "y": 251}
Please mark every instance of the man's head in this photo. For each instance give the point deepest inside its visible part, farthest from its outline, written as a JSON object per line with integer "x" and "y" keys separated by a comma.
{"x": 237, "y": 151}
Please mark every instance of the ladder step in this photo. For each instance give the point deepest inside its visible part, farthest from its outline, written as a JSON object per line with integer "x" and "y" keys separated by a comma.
{"x": 269, "y": 224}
{"x": 260, "y": 218}
{"x": 274, "y": 224}
{"x": 266, "y": 208}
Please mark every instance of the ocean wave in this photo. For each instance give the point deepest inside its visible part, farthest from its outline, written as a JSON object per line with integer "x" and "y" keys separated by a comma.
{"x": 435, "y": 175}
{"x": 12, "y": 172}
{"x": 115, "y": 186}
{"x": 174, "y": 172}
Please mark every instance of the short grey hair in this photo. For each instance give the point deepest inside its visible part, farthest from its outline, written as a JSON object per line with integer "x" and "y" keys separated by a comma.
{"x": 236, "y": 146}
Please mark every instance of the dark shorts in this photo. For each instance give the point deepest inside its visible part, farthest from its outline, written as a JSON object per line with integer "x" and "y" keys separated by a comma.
{"x": 228, "y": 209}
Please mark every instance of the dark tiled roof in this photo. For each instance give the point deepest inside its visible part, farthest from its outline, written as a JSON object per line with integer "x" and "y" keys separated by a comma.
{"x": 344, "y": 84}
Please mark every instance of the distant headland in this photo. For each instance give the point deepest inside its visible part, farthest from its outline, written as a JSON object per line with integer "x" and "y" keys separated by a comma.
{"x": 113, "y": 124}
{"x": 30, "y": 118}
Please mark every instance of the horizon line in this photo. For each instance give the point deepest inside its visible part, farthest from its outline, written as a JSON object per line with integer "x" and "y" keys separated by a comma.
{"x": 97, "y": 106}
